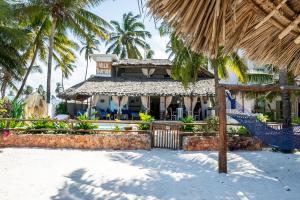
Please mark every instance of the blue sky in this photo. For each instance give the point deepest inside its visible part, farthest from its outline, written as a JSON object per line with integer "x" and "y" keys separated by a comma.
{"x": 109, "y": 10}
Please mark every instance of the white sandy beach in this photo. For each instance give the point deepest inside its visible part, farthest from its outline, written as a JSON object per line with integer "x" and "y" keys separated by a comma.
{"x": 40, "y": 174}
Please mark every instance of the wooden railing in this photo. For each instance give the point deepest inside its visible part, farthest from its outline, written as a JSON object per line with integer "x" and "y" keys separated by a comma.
{"x": 72, "y": 122}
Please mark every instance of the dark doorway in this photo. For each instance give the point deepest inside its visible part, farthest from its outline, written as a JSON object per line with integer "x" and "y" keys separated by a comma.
{"x": 154, "y": 109}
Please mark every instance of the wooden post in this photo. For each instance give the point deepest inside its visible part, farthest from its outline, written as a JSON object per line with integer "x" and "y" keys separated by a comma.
{"x": 222, "y": 131}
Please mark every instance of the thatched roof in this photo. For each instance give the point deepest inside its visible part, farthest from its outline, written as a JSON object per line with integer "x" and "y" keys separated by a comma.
{"x": 137, "y": 87}
{"x": 267, "y": 30}
{"x": 144, "y": 63}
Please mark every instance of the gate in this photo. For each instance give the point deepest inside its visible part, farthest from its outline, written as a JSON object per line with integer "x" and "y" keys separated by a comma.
{"x": 166, "y": 135}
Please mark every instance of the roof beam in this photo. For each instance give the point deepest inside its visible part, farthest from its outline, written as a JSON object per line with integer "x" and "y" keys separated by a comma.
{"x": 290, "y": 27}
{"x": 270, "y": 14}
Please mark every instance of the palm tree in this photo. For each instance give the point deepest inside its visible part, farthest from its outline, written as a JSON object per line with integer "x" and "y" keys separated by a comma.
{"x": 89, "y": 46}
{"x": 69, "y": 15}
{"x": 66, "y": 67}
{"x": 38, "y": 48}
{"x": 224, "y": 63}
{"x": 285, "y": 97}
{"x": 187, "y": 64}
{"x": 12, "y": 43}
{"x": 128, "y": 38}
{"x": 58, "y": 88}
{"x": 28, "y": 90}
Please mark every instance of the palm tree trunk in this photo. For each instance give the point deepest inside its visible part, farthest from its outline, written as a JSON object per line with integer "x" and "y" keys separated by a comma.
{"x": 216, "y": 77}
{"x": 3, "y": 88}
{"x": 62, "y": 81}
{"x": 87, "y": 66}
{"x": 27, "y": 74}
{"x": 285, "y": 97}
{"x": 51, "y": 44}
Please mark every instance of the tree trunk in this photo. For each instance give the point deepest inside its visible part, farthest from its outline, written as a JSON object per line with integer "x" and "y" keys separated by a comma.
{"x": 87, "y": 66}
{"x": 285, "y": 97}
{"x": 62, "y": 81}
{"x": 51, "y": 44}
{"x": 3, "y": 88}
{"x": 27, "y": 74}
{"x": 216, "y": 77}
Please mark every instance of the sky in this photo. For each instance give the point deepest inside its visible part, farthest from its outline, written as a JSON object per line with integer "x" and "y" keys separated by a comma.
{"x": 108, "y": 10}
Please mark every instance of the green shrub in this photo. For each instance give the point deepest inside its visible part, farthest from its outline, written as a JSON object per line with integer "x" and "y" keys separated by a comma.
{"x": 61, "y": 108}
{"x": 145, "y": 118}
{"x": 62, "y": 125}
{"x": 11, "y": 124}
{"x": 263, "y": 118}
{"x": 117, "y": 128}
{"x": 84, "y": 125}
{"x": 296, "y": 120}
{"x": 17, "y": 110}
{"x": 42, "y": 123}
{"x": 187, "y": 120}
{"x": 241, "y": 131}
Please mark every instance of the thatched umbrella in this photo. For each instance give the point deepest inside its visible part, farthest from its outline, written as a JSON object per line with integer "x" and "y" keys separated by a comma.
{"x": 267, "y": 30}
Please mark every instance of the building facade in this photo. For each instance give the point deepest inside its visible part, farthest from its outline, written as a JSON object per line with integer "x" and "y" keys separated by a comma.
{"x": 127, "y": 87}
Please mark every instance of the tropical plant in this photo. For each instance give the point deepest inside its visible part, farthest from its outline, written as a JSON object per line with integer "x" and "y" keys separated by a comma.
{"x": 128, "y": 38}
{"x": 240, "y": 131}
{"x": 66, "y": 15}
{"x": 39, "y": 27}
{"x": 66, "y": 65}
{"x": 17, "y": 109}
{"x": 28, "y": 90}
{"x": 89, "y": 46}
{"x": 117, "y": 128}
{"x": 41, "y": 123}
{"x": 5, "y": 108}
{"x": 263, "y": 118}
{"x": 187, "y": 64}
{"x": 188, "y": 120}
{"x": 12, "y": 43}
{"x": 61, "y": 108}
{"x": 83, "y": 125}
{"x": 58, "y": 88}
{"x": 147, "y": 119}
{"x": 41, "y": 91}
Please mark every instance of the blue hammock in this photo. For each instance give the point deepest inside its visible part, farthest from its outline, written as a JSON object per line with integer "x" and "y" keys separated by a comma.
{"x": 283, "y": 139}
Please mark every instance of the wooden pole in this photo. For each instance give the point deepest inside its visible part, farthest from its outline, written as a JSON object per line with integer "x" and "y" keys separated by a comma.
{"x": 222, "y": 131}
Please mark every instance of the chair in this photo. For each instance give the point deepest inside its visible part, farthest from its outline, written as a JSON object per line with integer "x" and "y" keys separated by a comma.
{"x": 135, "y": 115}
{"x": 80, "y": 112}
{"x": 103, "y": 114}
{"x": 173, "y": 115}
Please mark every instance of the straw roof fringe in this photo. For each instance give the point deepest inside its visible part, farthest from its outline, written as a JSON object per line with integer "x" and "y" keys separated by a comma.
{"x": 137, "y": 87}
{"x": 267, "y": 30}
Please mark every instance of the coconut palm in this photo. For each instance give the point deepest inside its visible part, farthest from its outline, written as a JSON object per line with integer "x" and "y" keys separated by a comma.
{"x": 69, "y": 15}
{"x": 12, "y": 43}
{"x": 28, "y": 90}
{"x": 39, "y": 31}
{"x": 89, "y": 46}
{"x": 128, "y": 38}
{"x": 67, "y": 67}
{"x": 187, "y": 64}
